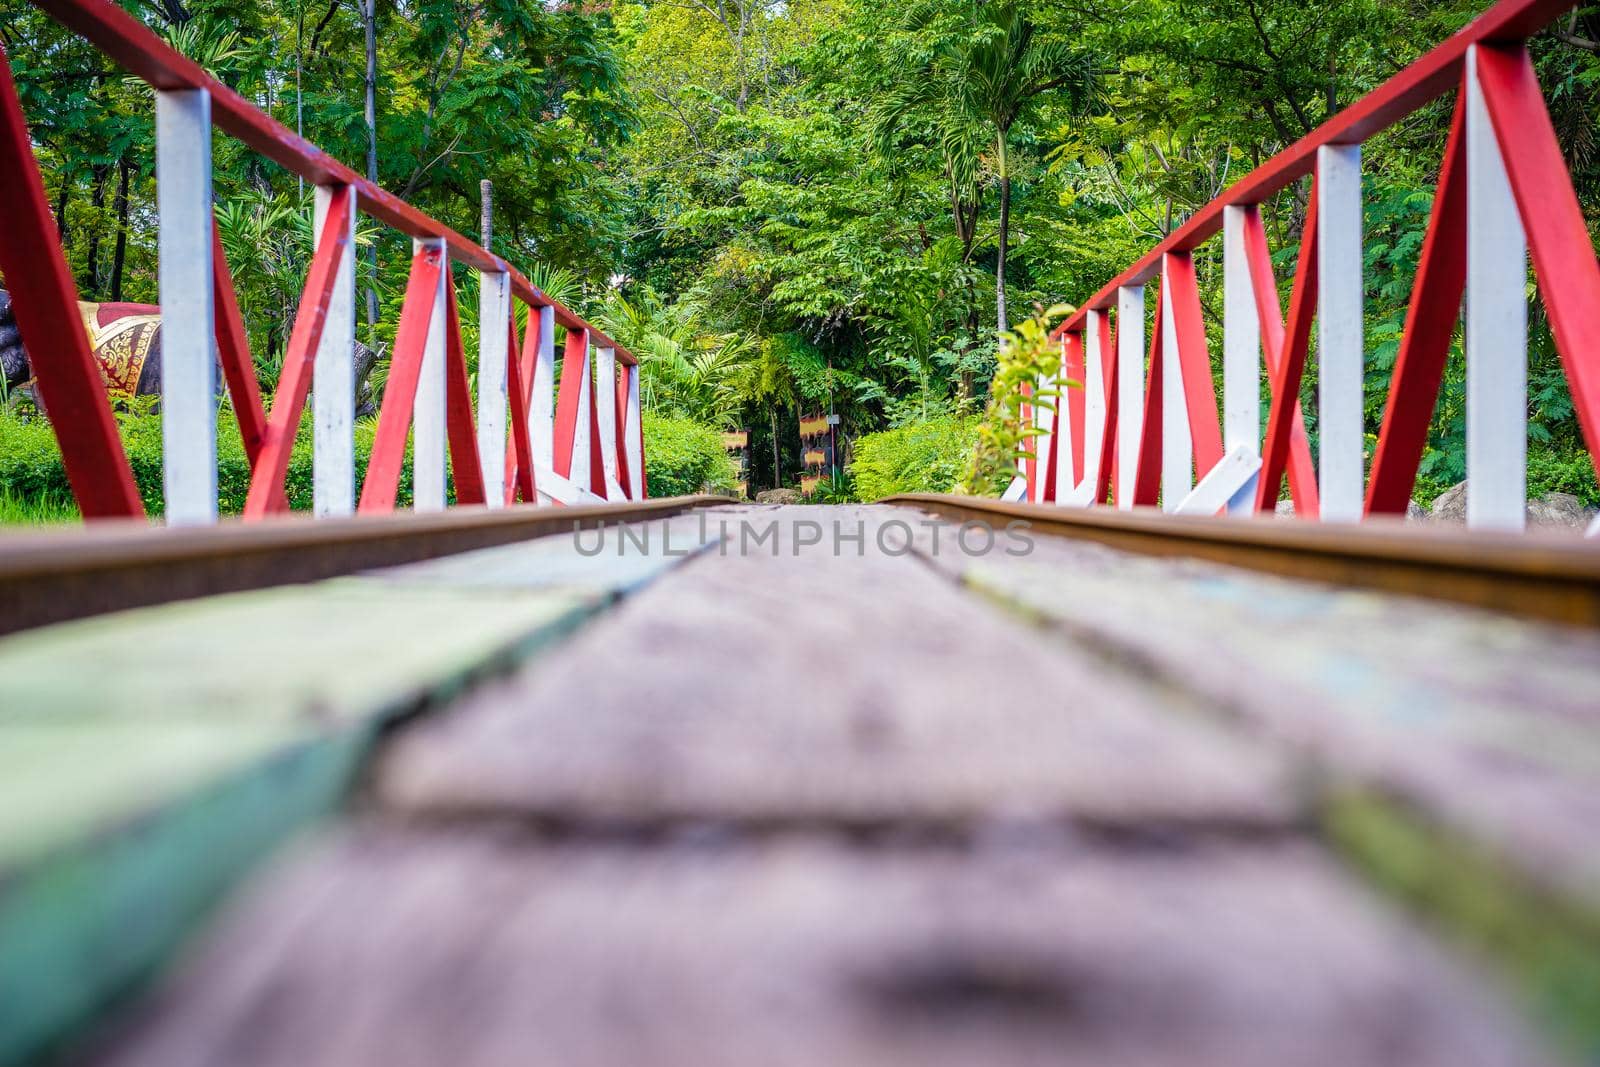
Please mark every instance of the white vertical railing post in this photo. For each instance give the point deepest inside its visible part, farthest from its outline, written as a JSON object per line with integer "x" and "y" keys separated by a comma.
{"x": 581, "y": 442}
{"x": 1042, "y": 446}
{"x": 542, "y": 399}
{"x": 1341, "y": 466}
{"x": 494, "y": 313}
{"x": 1496, "y": 329}
{"x": 1241, "y": 353}
{"x": 333, "y": 380}
{"x": 605, "y": 384}
{"x": 1177, "y": 453}
{"x": 633, "y": 436}
{"x": 428, "y": 413}
{"x": 1060, "y": 447}
{"x": 188, "y": 326}
{"x": 1130, "y": 389}
{"x": 1094, "y": 402}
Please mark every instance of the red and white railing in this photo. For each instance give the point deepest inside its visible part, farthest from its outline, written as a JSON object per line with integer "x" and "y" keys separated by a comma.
{"x": 582, "y": 443}
{"x": 1503, "y": 191}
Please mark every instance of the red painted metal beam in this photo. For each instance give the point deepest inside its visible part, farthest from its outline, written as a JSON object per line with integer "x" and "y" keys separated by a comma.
{"x": 233, "y": 352}
{"x": 382, "y": 484}
{"x": 1558, "y": 239}
{"x": 1264, "y": 286}
{"x": 1291, "y": 368}
{"x": 466, "y": 467}
{"x": 1075, "y": 400}
{"x": 1108, "y": 439}
{"x": 597, "y": 461}
{"x": 1030, "y": 444}
{"x": 44, "y": 300}
{"x": 1432, "y": 75}
{"x": 624, "y": 476}
{"x": 1147, "y": 477}
{"x": 1200, "y": 392}
{"x": 519, "y": 450}
{"x": 574, "y": 371}
{"x": 294, "y": 382}
{"x": 140, "y": 51}
{"x": 1425, "y": 345}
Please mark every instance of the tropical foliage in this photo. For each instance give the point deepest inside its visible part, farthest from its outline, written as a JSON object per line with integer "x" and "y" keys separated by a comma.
{"x": 794, "y": 206}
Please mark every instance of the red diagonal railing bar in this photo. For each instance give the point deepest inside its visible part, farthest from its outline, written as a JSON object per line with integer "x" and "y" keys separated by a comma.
{"x": 1264, "y": 287}
{"x": 1147, "y": 476}
{"x": 233, "y": 352}
{"x": 1291, "y": 367}
{"x": 1558, "y": 240}
{"x": 519, "y": 450}
{"x": 141, "y": 52}
{"x": 624, "y": 477}
{"x": 382, "y": 483}
{"x": 44, "y": 300}
{"x": 1199, "y": 391}
{"x": 294, "y": 381}
{"x": 1432, "y": 75}
{"x": 527, "y": 352}
{"x": 465, "y": 465}
{"x": 1047, "y": 459}
{"x": 1108, "y": 438}
{"x": 1075, "y": 400}
{"x": 597, "y": 463}
{"x": 1030, "y": 444}
{"x": 1430, "y": 323}
{"x": 574, "y": 369}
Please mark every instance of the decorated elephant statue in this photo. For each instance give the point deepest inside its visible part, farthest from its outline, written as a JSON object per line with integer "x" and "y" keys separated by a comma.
{"x": 126, "y": 342}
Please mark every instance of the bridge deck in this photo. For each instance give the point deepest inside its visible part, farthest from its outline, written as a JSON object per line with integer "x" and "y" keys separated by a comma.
{"x": 1066, "y": 806}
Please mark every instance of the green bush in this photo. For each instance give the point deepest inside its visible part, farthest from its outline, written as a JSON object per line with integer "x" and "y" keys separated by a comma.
{"x": 1550, "y": 472}
{"x": 683, "y": 457}
{"x": 922, "y": 457}
{"x": 31, "y": 471}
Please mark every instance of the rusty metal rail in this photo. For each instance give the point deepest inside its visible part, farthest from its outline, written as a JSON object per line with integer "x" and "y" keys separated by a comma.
{"x": 1549, "y": 577}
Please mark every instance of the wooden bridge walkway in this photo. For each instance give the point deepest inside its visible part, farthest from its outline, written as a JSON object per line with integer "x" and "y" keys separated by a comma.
{"x": 768, "y": 802}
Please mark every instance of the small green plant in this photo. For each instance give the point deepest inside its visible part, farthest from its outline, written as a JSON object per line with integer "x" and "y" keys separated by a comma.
{"x": 919, "y": 457}
{"x": 683, "y": 457}
{"x": 1027, "y": 368}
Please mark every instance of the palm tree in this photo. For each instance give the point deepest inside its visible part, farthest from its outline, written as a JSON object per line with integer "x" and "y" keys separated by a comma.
{"x": 986, "y": 72}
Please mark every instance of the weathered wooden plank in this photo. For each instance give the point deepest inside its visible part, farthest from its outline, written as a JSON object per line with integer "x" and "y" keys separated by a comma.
{"x": 1489, "y": 724}
{"x": 148, "y": 757}
{"x": 610, "y": 559}
{"x": 482, "y": 949}
{"x": 757, "y": 684}
{"x": 1456, "y": 752}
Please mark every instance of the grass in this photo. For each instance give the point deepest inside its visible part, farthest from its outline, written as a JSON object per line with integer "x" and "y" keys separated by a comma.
{"x": 43, "y": 511}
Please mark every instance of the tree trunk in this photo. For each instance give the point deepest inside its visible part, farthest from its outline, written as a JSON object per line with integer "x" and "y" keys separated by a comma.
{"x": 119, "y": 249}
{"x": 61, "y": 211}
{"x": 369, "y": 27}
{"x": 485, "y": 213}
{"x": 1005, "y": 234}
{"x": 777, "y": 463}
{"x": 97, "y": 200}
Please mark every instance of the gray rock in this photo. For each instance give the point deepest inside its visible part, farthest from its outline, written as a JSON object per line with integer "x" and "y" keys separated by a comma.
{"x": 1451, "y": 505}
{"x": 1553, "y": 511}
{"x": 780, "y": 496}
{"x": 1558, "y": 511}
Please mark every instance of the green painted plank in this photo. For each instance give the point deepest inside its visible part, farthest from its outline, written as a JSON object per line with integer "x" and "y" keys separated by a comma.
{"x": 148, "y": 758}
